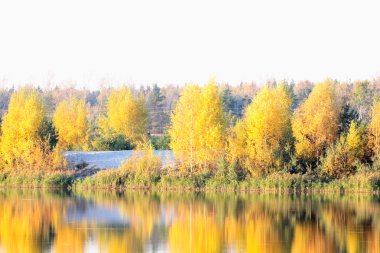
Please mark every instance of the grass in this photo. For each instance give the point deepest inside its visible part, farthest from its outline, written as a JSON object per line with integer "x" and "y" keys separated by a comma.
{"x": 23, "y": 178}
{"x": 134, "y": 177}
{"x": 280, "y": 182}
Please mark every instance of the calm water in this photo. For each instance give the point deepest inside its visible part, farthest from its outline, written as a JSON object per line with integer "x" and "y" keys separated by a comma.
{"x": 43, "y": 221}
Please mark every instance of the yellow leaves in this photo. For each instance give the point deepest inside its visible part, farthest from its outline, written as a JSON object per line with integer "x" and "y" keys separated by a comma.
{"x": 259, "y": 138}
{"x": 374, "y": 128}
{"x": 341, "y": 159}
{"x": 212, "y": 126}
{"x": 237, "y": 142}
{"x": 20, "y": 127}
{"x": 143, "y": 160}
{"x": 71, "y": 124}
{"x": 356, "y": 141}
{"x": 198, "y": 126}
{"x": 126, "y": 114}
{"x": 315, "y": 123}
{"x": 183, "y": 131}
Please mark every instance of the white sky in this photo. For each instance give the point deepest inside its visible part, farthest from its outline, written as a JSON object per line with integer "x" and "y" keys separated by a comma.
{"x": 144, "y": 42}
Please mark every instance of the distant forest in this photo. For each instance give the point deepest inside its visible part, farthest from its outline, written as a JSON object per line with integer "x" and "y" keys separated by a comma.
{"x": 159, "y": 101}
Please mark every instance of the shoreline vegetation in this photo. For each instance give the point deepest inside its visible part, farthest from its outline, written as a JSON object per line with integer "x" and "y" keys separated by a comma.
{"x": 119, "y": 179}
{"x": 321, "y": 137}
{"x": 116, "y": 180}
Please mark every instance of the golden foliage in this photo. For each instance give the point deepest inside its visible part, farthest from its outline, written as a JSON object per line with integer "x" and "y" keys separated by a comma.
{"x": 259, "y": 139}
{"x": 20, "y": 142}
{"x": 183, "y": 132}
{"x": 357, "y": 141}
{"x": 126, "y": 114}
{"x": 315, "y": 123}
{"x": 143, "y": 160}
{"x": 212, "y": 125}
{"x": 198, "y": 126}
{"x": 374, "y": 128}
{"x": 71, "y": 124}
{"x": 341, "y": 159}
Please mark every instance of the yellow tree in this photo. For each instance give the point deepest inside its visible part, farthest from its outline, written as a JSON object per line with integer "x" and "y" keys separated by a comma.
{"x": 264, "y": 129}
{"x": 71, "y": 123}
{"x": 374, "y": 129}
{"x": 315, "y": 123}
{"x": 342, "y": 158}
{"x": 237, "y": 140}
{"x": 357, "y": 141}
{"x": 20, "y": 142}
{"x": 183, "y": 131}
{"x": 211, "y": 125}
{"x": 198, "y": 126}
{"x": 126, "y": 114}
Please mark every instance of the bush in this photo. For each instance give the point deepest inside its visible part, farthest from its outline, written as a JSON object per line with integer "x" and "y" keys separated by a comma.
{"x": 160, "y": 142}
{"x": 112, "y": 142}
{"x": 338, "y": 161}
{"x": 143, "y": 161}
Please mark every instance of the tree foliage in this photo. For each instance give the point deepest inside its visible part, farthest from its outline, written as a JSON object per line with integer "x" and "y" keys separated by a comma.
{"x": 361, "y": 99}
{"x": 126, "y": 114}
{"x": 70, "y": 121}
{"x": 342, "y": 158}
{"x": 315, "y": 123}
{"x": 198, "y": 126}
{"x": 20, "y": 128}
{"x": 374, "y": 129}
{"x": 260, "y": 138}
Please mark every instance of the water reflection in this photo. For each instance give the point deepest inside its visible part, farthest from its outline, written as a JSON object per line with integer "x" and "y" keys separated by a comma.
{"x": 45, "y": 221}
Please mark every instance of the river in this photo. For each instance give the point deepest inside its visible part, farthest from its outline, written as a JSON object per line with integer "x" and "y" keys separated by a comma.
{"x": 104, "y": 221}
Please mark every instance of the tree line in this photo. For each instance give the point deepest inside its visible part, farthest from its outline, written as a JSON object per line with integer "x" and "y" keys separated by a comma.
{"x": 327, "y": 128}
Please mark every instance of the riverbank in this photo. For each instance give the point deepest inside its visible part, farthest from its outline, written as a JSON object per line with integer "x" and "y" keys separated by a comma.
{"x": 368, "y": 182}
{"x": 363, "y": 182}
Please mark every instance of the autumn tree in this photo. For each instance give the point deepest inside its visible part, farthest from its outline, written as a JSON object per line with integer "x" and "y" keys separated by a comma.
{"x": 374, "y": 129}
{"x": 198, "y": 126}
{"x": 350, "y": 150}
{"x": 260, "y": 138}
{"x": 20, "y": 142}
{"x": 71, "y": 124}
{"x": 315, "y": 123}
{"x": 126, "y": 114}
{"x": 183, "y": 131}
{"x": 212, "y": 125}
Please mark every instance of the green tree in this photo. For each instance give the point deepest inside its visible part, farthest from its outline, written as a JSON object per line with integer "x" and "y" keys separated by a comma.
{"x": 361, "y": 100}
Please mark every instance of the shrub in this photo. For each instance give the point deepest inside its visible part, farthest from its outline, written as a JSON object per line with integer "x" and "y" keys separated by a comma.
{"x": 112, "y": 142}
{"x": 338, "y": 161}
{"x": 143, "y": 161}
{"x": 160, "y": 142}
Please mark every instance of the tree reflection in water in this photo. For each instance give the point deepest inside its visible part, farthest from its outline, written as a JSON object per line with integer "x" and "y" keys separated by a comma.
{"x": 38, "y": 221}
